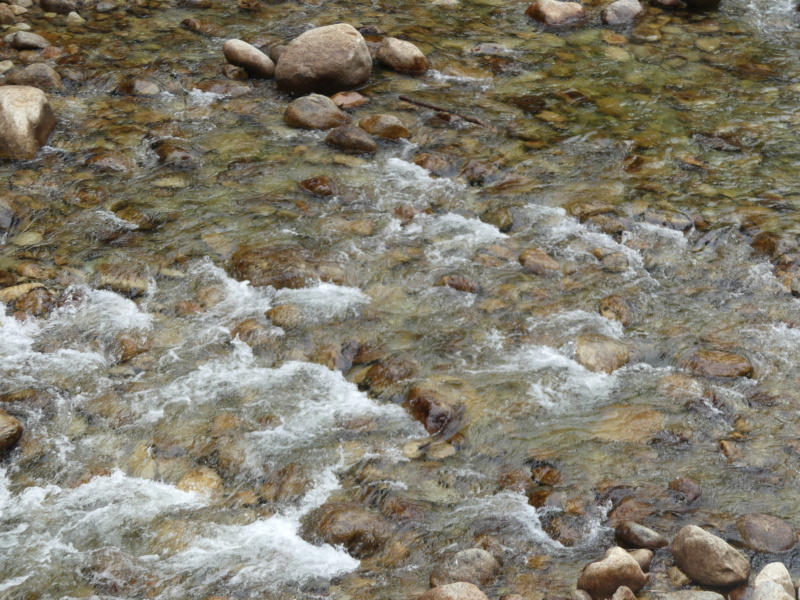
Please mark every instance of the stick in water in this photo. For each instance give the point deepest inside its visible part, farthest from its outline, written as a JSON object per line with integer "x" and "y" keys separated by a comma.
{"x": 447, "y": 110}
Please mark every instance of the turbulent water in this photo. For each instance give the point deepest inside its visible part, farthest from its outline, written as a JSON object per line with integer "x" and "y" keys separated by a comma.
{"x": 171, "y": 452}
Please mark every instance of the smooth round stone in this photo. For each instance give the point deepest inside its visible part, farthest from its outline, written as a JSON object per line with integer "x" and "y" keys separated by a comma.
{"x": 27, "y": 238}
{"x": 639, "y": 536}
{"x": 765, "y": 533}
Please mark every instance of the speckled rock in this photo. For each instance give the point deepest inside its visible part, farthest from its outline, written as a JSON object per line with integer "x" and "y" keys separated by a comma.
{"x": 708, "y": 559}
{"x": 26, "y": 121}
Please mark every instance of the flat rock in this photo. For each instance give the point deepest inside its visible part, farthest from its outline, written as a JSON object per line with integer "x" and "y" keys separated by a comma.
{"x": 778, "y": 573}
{"x": 38, "y": 75}
{"x": 708, "y": 559}
{"x": 27, "y": 40}
{"x": 349, "y": 100}
{"x": 475, "y": 566}
{"x": 362, "y": 532}
{"x": 622, "y": 12}
{"x": 327, "y": 60}
{"x": 716, "y": 363}
{"x": 454, "y": 591}
{"x": 26, "y": 121}
{"x": 385, "y": 126}
{"x": 249, "y": 58}
{"x": 639, "y": 536}
{"x": 605, "y": 576}
{"x": 553, "y": 12}
{"x": 10, "y": 431}
{"x": 284, "y": 267}
{"x": 402, "y": 56}
{"x": 350, "y": 138}
{"x": 601, "y": 354}
{"x": 765, "y": 533}
{"x": 314, "y": 112}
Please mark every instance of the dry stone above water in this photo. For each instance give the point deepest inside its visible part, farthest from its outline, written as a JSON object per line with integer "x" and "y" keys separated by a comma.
{"x": 26, "y": 121}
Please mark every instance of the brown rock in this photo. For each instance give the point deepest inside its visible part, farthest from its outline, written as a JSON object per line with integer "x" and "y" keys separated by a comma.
{"x": 203, "y": 27}
{"x": 326, "y": 59}
{"x": 437, "y": 408}
{"x": 27, "y": 40}
{"x": 537, "y": 262}
{"x": 350, "y": 138}
{"x": 7, "y": 16}
{"x": 623, "y": 593}
{"x": 10, "y": 431}
{"x": 639, "y": 536}
{"x": 622, "y": 12}
{"x": 38, "y": 75}
{"x": 288, "y": 483}
{"x": 601, "y": 354}
{"x": 285, "y": 316}
{"x": 686, "y": 489}
{"x": 401, "y": 56}
{"x": 385, "y": 374}
{"x": 716, "y": 363}
{"x": 284, "y": 266}
{"x": 320, "y": 186}
{"x": 454, "y": 591}
{"x": 253, "y": 333}
{"x": 643, "y": 556}
{"x": 61, "y": 7}
{"x": 385, "y": 126}
{"x": 617, "y": 308}
{"x": 138, "y": 87}
{"x": 462, "y": 284}
{"x": 362, "y": 532}
{"x": 202, "y": 480}
{"x": 765, "y": 533}
{"x": 708, "y": 559}
{"x": 435, "y": 163}
{"x": 553, "y": 12}
{"x": 176, "y": 154}
{"x": 617, "y": 568}
{"x": 122, "y": 280}
{"x": 474, "y": 566}
{"x": 248, "y": 57}
{"x": 349, "y": 100}
{"x": 223, "y": 87}
{"x": 314, "y": 112}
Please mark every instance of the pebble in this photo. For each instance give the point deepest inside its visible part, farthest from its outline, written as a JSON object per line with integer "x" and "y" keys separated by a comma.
{"x": 639, "y": 536}
{"x": 350, "y": 138}
{"x": 385, "y": 126}
{"x": 314, "y": 112}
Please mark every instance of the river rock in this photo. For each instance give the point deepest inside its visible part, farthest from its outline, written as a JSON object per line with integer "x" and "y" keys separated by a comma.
{"x": 771, "y": 590}
{"x": 248, "y": 57}
{"x": 401, "y": 56}
{"x": 385, "y": 126}
{"x": 439, "y": 410}
{"x": 285, "y": 316}
{"x": 474, "y": 566}
{"x": 350, "y": 138}
{"x": 7, "y": 16}
{"x": 202, "y": 480}
{"x": 601, "y": 354}
{"x": 537, "y": 262}
{"x": 777, "y": 573}
{"x": 314, "y": 112}
{"x": 690, "y": 595}
{"x": 26, "y": 121}
{"x": 686, "y": 489}
{"x": 623, "y": 593}
{"x": 617, "y": 308}
{"x": 765, "y": 533}
{"x": 326, "y": 59}
{"x": 283, "y": 267}
{"x": 10, "y": 431}
{"x": 362, "y": 532}
{"x": 708, "y": 559}
{"x": 639, "y": 536}
{"x": 454, "y": 591}
{"x": 27, "y": 40}
{"x": 38, "y": 75}
{"x": 349, "y": 100}
{"x": 175, "y": 153}
{"x": 622, "y": 12}
{"x": 617, "y": 568}
{"x": 702, "y": 4}
{"x": 553, "y": 12}
{"x": 320, "y": 186}
{"x": 716, "y": 363}
{"x": 122, "y": 280}
{"x": 644, "y": 557}
{"x": 61, "y": 7}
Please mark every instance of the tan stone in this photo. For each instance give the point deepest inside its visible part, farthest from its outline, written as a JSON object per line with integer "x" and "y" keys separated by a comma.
{"x": 26, "y": 121}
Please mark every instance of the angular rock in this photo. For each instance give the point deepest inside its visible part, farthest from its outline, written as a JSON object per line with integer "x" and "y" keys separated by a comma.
{"x": 601, "y": 354}
{"x": 327, "y": 59}
{"x": 622, "y": 12}
{"x": 10, "y": 431}
{"x": 248, "y": 57}
{"x": 617, "y": 568}
{"x": 385, "y": 126}
{"x": 402, "y": 56}
{"x": 26, "y": 121}
{"x": 708, "y": 559}
{"x": 362, "y": 532}
{"x": 454, "y": 591}
{"x": 350, "y": 138}
{"x": 314, "y": 112}
{"x": 553, "y": 12}
{"x": 777, "y": 573}
{"x": 537, "y": 262}
{"x": 644, "y": 557}
{"x": 639, "y": 536}
{"x": 716, "y": 363}
{"x": 765, "y": 533}
{"x": 38, "y": 75}
{"x": 771, "y": 590}
{"x": 473, "y": 566}
{"x": 27, "y": 40}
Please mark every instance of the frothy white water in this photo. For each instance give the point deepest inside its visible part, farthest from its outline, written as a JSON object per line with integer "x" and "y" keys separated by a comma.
{"x": 325, "y": 300}
{"x": 575, "y": 322}
{"x": 451, "y": 238}
{"x": 405, "y": 182}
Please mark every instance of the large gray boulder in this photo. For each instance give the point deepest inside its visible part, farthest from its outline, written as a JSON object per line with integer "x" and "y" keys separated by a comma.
{"x": 26, "y": 121}
{"x": 325, "y": 60}
{"x": 708, "y": 559}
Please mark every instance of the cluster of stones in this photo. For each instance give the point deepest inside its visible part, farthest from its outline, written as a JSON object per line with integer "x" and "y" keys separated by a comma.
{"x": 621, "y": 12}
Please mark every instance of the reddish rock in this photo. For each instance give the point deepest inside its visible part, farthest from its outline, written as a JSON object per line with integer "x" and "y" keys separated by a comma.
{"x": 716, "y": 363}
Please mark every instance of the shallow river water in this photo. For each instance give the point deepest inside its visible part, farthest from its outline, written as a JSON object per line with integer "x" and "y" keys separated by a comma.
{"x": 179, "y": 443}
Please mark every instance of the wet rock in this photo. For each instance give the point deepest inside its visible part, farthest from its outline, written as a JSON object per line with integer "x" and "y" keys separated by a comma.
{"x": 617, "y": 308}
{"x": 122, "y": 280}
{"x": 474, "y": 566}
{"x": 617, "y": 568}
{"x": 385, "y": 126}
{"x": 644, "y": 557}
{"x": 462, "y": 284}
{"x": 685, "y": 489}
{"x": 362, "y": 532}
{"x": 253, "y": 333}
{"x": 702, "y": 5}
{"x": 708, "y": 559}
{"x": 286, "y": 484}
{"x": 601, "y": 354}
{"x": 36, "y": 303}
{"x": 716, "y": 363}
{"x": 61, "y": 7}
{"x": 10, "y": 431}
{"x": 314, "y": 112}
{"x": 35, "y": 271}
{"x": 691, "y": 595}
{"x": 284, "y": 267}
{"x": 623, "y": 593}
{"x": 38, "y": 75}
{"x": 435, "y": 163}
{"x": 201, "y": 480}
{"x": 202, "y": 26}
{"x": 320, "y": 186}
{"x": 777, "y": 573}
{"x": 326, "y": 60}
{"x": 176, "y": 154}
{"x": 499, "y": 217}
{"x": 14, "y": 293}
{"x": 765, "y": 533}
{"x": 454, "y": 591}
{"x": 622, "y": 12}
{"x": 401, "y": 56}
{"x": 386, "y": 374}
{"x": 439, "y": 410}
{"x": 248, "y": 57}
{"x": 639, "y": 536}
{"x": 27, "y": 40}
{"x": 771, "y": 590}
{"x": 537, "y": 262}
{"x": 349, "y": 100}
{"x": 553, "y": 12}
{"x": 222, "y": 87}
{"x": 615, "y": 262}
{"x": 138, "y": 87}
{"x": 350, "y": 138}
{"x": 26, "y": 121}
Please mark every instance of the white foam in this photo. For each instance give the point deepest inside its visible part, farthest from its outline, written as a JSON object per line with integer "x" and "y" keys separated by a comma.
{"x": 451, "y": 237}
{"x": 325, "y": 300}
{"x": 575, "y": 322}
{"x": 405, "y": 182}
